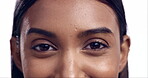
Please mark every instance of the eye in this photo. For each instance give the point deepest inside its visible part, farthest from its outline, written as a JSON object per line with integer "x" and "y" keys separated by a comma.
{"x": 96, "y": 47}
{"x": 44, "y": 47}
{"x": 96, "y": 44}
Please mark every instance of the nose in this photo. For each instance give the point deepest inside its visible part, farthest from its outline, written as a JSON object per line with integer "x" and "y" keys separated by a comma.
{"x": 69, "y": 66}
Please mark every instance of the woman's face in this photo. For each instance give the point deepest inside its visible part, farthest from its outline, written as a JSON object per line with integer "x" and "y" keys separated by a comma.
{"x": 70, "y": 38}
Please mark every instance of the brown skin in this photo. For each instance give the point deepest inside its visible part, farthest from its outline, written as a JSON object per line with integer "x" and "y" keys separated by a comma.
{"x": 71, "y": 53}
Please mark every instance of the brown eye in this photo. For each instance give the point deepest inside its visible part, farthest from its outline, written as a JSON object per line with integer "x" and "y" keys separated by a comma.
{"x": 43, "y": 47}
{"x": 96, "y": 45}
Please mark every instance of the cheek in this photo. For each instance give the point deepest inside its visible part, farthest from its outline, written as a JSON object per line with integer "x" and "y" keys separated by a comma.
{"x": 37, "y": 67}
{"x": 103, "y": 66}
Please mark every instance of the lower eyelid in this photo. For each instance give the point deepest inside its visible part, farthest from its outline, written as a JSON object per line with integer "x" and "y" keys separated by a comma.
{"x": 94, "y": 53}
{"x": 44, "y": 54}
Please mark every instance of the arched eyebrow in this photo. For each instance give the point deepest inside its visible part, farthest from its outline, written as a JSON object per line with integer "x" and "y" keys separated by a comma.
{"x": 41, "y": 32}
{"x": 81, "y": 34}
{"x": 95, "y": 31}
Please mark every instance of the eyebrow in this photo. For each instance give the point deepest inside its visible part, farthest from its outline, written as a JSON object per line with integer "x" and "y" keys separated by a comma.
{"x": 42, "y": 32}
{"x": 95, "y": 31}
{"x": 82, "y": 34}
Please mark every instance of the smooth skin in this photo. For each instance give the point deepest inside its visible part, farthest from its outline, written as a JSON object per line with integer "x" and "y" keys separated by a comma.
{"x": 70, "y": 38}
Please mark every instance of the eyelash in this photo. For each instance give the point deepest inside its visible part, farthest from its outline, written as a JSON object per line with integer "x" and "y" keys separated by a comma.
{"x": 93, "y": 45}
{"x": 44, "y": 47}
{"x": 96, "y": 44}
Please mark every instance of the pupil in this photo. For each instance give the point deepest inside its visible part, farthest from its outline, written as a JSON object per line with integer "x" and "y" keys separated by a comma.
{"x": 44, "y": 47}
{"x": 94, "y": 45}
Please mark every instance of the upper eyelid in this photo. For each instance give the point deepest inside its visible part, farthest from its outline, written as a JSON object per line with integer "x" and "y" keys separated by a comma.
{"x": 40, "y": 39}
{"x": 85, "y": 43}
{"x": 46, "y": 40}
{"x": 94, "y": 39}
{"x": 39, "y": 44}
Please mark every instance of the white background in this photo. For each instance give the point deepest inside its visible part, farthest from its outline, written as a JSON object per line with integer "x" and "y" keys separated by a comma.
{"x": 136, "y": 14}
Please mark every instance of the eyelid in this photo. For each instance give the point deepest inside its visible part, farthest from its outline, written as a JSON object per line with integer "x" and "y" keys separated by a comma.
{"x": 95, "y": 52}
{"x": 94, "y": 39}
{"x": 49, "y": 42}
{"x": 44, "y": 44}
{"x": 40, "y": 39}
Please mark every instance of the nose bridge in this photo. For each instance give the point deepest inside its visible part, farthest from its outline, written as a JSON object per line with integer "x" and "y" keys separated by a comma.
{"x": 69, "y": 67}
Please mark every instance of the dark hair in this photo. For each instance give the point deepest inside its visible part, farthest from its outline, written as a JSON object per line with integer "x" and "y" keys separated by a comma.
{"x": 23, "y": 5}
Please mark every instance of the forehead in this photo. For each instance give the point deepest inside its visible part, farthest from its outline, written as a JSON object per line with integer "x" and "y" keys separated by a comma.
{"x": 83, "y": 13}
